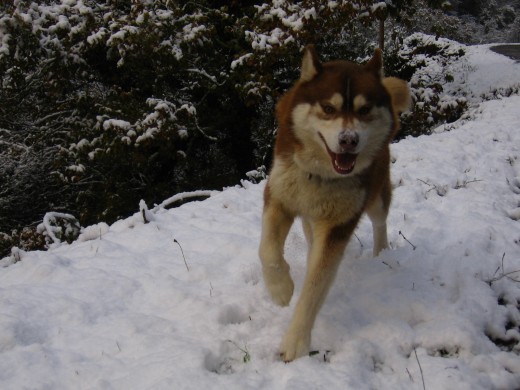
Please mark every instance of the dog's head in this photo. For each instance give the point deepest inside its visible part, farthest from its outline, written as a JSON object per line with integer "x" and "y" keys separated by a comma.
{"x": 341, "y": 113}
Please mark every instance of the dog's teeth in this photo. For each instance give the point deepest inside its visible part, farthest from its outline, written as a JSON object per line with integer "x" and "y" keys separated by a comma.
{"x": 343, "y": 166}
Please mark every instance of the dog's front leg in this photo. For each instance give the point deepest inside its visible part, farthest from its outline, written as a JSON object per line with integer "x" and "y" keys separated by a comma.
{"x": 327, "y": 248}
{"x": 276, "y": 223}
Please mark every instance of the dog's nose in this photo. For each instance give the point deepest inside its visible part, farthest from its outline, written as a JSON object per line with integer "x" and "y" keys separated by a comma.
{"x": 348, "y": 140}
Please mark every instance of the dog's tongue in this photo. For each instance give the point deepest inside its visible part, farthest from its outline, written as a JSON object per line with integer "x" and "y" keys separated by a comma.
{"x": 343, "y": 162}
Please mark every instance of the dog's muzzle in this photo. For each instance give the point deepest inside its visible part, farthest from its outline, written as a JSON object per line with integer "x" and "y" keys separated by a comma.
{"x": 344, "y": 161}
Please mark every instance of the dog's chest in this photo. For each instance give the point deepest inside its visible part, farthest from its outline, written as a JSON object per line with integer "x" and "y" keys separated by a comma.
{"x": 315, "y": 198}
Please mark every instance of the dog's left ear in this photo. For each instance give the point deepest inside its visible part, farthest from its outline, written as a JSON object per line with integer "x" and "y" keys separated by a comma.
{"x": 376, "y": 63}
{"x": 311, "y": 65}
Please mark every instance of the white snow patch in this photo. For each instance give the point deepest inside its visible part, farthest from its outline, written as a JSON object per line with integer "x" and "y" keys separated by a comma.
{"x": 116, "y": 123}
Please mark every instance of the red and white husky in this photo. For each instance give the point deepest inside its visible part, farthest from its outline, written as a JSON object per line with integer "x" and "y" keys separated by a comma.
{"x": 331, "y": 164}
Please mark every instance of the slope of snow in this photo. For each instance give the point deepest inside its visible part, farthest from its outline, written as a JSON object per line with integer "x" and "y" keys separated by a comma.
{"x": 179, "y": 302}
{"x": 482, "y": 73}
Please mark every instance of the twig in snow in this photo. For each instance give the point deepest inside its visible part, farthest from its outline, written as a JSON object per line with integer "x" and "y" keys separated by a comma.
{"x": 185, "y": 263}
{"x": 145, "y": 220}
{"x": 425, "y": 182}
{"x": 503, "y": 274}
{"x": 501, "y": 263}
{"x": 402, "y": 235}
{"x": 388, "y": 265}
{"x": 498, "y": 269}
{"x": 325, "y": 355}
{"x": 465, "y": 183}
{"x": 360, "y": 243}
{"x": 409, "y": 375}
{"x": 247, "y": 356}
{"x": 182, "y": 196}
{"x": 420, "y": 368}
{"x": 432, "y": 186}
{"x": 440, "y": 190}
{"x": 147, "y": 215}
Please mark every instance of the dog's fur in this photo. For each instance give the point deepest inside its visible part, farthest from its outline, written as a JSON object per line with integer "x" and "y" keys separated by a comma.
{"x": 331, "y": 164}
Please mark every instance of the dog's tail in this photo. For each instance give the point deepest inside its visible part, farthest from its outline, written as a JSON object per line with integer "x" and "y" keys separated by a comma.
{"x": 400, "y": 93}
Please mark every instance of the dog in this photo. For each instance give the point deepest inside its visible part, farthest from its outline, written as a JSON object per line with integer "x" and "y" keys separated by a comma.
{"x": 331, "y": 164}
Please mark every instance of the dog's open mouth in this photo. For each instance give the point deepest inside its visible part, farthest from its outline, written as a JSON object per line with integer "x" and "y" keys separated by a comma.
{"x": 343, "y": 163}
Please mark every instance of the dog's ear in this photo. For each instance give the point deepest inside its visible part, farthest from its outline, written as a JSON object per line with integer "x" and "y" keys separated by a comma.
{"x": 375, "y": 64}
{"x": 311, "y": 65}
{"x": 400, "y": 93}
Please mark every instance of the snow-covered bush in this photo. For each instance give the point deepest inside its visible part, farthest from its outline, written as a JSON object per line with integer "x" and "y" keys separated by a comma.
{"x": 106, "y": 103}
{"x": 494, "y": 21}
{"x": 58, "y": 228}
{"x": 425, "y": 61}
{"x": 27, "y": 238}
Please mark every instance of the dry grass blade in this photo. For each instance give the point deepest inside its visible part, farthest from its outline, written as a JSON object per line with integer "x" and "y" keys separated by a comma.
{"x": 185, "y": 263}
{"x": 420, "y": 368}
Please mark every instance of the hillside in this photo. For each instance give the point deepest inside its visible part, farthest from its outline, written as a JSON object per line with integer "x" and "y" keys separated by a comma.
{"x": 179, "y": 302}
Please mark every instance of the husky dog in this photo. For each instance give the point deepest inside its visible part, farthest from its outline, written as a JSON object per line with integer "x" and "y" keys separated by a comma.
{"x": 331, "y": 164}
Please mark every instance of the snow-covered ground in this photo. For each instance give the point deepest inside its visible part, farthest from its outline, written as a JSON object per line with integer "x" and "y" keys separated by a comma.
{"x": 179, "y": 302}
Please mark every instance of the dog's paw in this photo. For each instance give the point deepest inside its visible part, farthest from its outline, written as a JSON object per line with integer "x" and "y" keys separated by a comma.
{"x": 294, "y": 345}
{"x": 279, "y": 284}
{"x": 282, "y": 291}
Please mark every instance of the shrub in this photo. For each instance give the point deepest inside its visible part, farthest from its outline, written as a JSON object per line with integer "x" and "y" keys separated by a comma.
{"x": 425, "y": 62}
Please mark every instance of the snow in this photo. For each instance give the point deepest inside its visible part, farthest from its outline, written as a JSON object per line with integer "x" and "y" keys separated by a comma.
{"x": 62, "y": 24}
{"x": 479, "y": 73}
{"x": 97, "y": 37}
{"x": 179, "y": 302}
{"x": 266, "y": 42}
{"x": 332, "y": 4}
{"x": 116, "y": 123}
{"x": 240, "y": 61}
{"x": 93, "y": 232}
{"x": 489, "y": 72}
{"x": 192, "y": 32}
{"x": 76, "y": 168}
{"x": 378, "y": 6}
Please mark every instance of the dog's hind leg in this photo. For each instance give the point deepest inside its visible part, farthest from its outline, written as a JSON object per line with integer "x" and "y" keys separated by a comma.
{"x": 326, "y": 251}
{"x": 276, "y": 223}
{"x": 378, "y": 212}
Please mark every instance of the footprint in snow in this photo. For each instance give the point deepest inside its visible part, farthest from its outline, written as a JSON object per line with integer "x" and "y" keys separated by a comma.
{"x": 506, "y": 335}
{"x": 515, "y": 185}
{"x": 232, "y": 314}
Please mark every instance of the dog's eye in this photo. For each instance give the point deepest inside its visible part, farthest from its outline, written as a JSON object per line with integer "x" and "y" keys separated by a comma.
{"x": 365, "y": 110}
{"x": 328, "y": 109}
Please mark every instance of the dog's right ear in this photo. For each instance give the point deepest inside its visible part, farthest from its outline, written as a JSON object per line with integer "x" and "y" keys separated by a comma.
{"x": 311, "y": 65}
